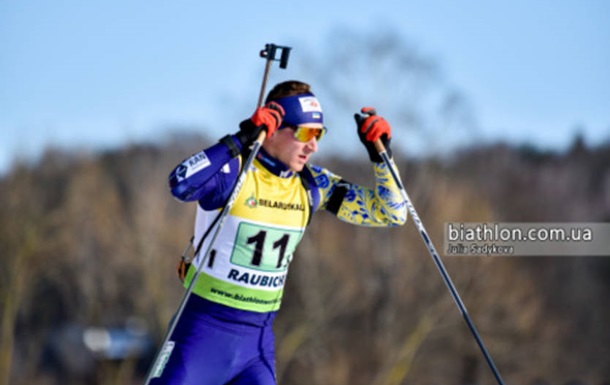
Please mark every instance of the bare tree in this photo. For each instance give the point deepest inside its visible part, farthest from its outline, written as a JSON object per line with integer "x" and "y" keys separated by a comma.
{"x": 380, "y": 68}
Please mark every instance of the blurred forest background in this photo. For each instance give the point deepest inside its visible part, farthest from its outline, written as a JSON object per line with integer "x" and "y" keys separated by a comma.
{"x": 90, "y": 242}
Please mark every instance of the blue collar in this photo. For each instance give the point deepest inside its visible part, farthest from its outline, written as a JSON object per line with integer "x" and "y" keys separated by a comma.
{"x": 272, "y": 164}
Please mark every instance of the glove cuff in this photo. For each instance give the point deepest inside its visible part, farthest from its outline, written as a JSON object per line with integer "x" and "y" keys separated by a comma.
{"x": 373, "y": 154}
{"x": 248, "y": 132}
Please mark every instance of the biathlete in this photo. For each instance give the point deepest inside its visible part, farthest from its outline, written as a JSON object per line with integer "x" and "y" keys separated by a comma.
{"x": 224, "y": 335}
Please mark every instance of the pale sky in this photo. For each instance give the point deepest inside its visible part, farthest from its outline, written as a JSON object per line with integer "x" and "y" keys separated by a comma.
{"x": 98, "y": 74}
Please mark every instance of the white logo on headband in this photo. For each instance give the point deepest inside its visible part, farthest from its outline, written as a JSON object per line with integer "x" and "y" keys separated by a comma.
{"x": 310, "y": 104}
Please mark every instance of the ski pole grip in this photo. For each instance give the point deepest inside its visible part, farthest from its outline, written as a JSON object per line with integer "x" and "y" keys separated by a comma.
{"x": 261, "y": 136}
{"x": 269, "y": 52}
{"x": 379, "y": 146}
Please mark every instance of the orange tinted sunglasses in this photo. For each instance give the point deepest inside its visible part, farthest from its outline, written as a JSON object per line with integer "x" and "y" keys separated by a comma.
{"x": 305, "y": 134}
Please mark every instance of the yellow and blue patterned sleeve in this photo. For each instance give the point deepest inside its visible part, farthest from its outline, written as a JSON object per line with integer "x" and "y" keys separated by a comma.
{"x": 382, "y": 206}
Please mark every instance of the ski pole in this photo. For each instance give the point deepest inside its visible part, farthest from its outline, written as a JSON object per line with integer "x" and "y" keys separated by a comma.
{"x": 437, "y": 260}
{"x": 167, "y": 346}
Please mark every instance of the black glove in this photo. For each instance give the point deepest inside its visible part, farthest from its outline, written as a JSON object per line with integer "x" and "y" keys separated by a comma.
{"x": 372, "y": 128}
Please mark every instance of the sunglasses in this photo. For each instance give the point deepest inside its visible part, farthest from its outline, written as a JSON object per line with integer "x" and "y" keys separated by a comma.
{"x": 305, "y": 134}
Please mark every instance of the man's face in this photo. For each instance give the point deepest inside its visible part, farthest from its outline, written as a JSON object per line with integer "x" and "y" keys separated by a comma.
{"x": 290, "y": 151}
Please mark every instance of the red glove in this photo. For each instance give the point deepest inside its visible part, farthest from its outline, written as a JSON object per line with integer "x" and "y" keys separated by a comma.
{"x": 373, "y": 127}
{"x": 269, "y": 117}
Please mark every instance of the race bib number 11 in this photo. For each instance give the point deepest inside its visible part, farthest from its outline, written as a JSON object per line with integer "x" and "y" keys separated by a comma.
{"x": 264, "y": 248}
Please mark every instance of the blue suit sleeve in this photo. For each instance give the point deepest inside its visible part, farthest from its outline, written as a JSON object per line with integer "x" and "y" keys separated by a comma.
{"x": 207, "y": 176}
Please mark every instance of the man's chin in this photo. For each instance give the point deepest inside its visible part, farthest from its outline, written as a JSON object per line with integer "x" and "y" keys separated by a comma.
{"x": 296, "y": 167}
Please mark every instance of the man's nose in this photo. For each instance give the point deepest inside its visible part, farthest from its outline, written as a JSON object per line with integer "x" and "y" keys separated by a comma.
{"x": 312, "y": 145}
